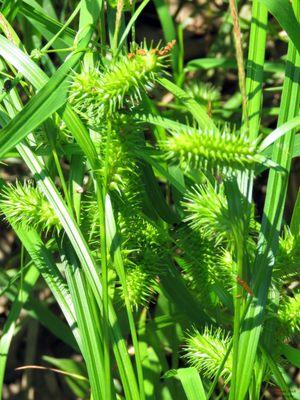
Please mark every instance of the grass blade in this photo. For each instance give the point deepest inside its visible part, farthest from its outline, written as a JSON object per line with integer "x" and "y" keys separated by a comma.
{"x": 28, "y": 283}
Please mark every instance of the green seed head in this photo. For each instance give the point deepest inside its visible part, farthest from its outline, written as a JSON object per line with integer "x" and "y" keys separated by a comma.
{"x": 207, "y": 212}
{"x": 289, "y": 315}
{"x": 139, "y": 285}
{"x": 26, "y": 205}
{"x": 203, "y": 92}
{"x": 96, "y": 93}
{"x": 206, "y": 352}
{"x": 145, "y": 257}
{"x": 214, "y": 150}
{"x": 199, "y": 258}
{"x": 287, "y": 264}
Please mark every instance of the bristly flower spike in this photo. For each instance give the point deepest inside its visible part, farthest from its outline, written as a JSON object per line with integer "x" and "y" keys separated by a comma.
{"x": 206, "y": 352}
{"x": 289, "y": 315}
{"x": 97, "y": 93}
{"x": 219, "y": 151}
{"x": 207, "y": 212}
{"x": 26, "y": 205}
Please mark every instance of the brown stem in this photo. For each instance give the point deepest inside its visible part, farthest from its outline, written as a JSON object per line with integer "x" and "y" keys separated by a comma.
{"x": 239, "y": 58}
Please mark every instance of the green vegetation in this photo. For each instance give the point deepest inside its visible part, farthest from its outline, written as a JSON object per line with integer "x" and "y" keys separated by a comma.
{"x": 134, "y": 198}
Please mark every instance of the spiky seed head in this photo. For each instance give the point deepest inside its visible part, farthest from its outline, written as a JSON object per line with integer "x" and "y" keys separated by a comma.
{"x": 289, "y": 315}
{"x": 206, "y": 351}
{"x": 207, "y": 212}
{"x": 139, "y": 285}
{"x": 98, "y": 92}
{"x": 287, "y": 263}
{"x": 219, "y": 151}
{"x": 144, "y": 255}
{"x": 202, "y": 91}
{"x": 199, "y": 258}
{"x": 24, "y": 204}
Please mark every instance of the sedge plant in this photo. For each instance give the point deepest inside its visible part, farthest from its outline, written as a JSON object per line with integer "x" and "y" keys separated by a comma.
{"x": 138, "y": 213}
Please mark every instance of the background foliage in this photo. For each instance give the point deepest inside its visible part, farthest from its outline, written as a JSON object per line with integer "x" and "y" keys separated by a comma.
{"x": 150, "y": 199}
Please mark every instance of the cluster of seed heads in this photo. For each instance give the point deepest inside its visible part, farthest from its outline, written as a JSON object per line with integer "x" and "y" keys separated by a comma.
{"x": 97, "y": 93}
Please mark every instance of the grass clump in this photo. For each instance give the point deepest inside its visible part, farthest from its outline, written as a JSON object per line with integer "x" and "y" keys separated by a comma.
{"x": 152, "y": 236}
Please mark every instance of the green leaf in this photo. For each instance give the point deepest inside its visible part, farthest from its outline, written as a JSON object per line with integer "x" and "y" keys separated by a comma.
{"x": 295, "y": 221}
{"x": 27, "y": 285}
{"x": 87, "y": 316}
{"x": 292, "y": 354}
{"x": 270, "y": 227}
{"x": 278, "y": 377}
{"x": 198, "y": 111}
{"x": 169, "y": 30}
{"x": 44, "y": 23}
{"x": 155, "y": 195}
{"x": 279, "y": 132}
{"x": 284, "y": 13}
{"x": 191, "y": 382}
{"x": 76, "y": 375}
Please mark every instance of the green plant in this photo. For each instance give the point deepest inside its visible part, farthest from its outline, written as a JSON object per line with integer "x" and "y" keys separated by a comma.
{"x": 135, "y": 203}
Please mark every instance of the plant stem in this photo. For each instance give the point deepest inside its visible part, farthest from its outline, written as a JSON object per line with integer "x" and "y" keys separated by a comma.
{"x": 239, "y": 58}
{"x": 120, "y": 6}
{"x": 104, "y": 269}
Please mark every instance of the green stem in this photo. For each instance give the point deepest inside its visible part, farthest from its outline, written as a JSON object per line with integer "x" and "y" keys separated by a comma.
{"x": 62, "y": 178}
{"x": 135, "y": 342}
{"x": 66, "y": 24}
{"x": 102, "y": 31}
{"x": 238, "y": 298}
{"x": 118, "y": 261}
{"x": 101, "y": 194}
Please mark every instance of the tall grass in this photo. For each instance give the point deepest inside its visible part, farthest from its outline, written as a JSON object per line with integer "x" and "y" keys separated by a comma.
{"x": 138, "y": 213}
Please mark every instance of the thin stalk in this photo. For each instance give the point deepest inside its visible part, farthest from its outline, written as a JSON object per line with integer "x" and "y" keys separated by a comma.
{"x": 120, "y": 6}
{"x": 271, "y": 224}
{"x": 180, "y": 73}
{"x": 51, "y": 131}
{"x": 101, "y": 195}
{"x": 136, "y": 345}
{"x": 111, "y": 232}
{"x": 239, "y": 57}
{"x": 238, "y": 299}
{"x": 254, "y": 85}
{"x": 66, "y": 24}
{"x": 236, "y": 208}
{"x": 102, "y": 31}
{"x": 105, "y": 292}
{"x": 133, "y": 26}
{"x": 255, "y": 66}
{"x": 62, "y": 178}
